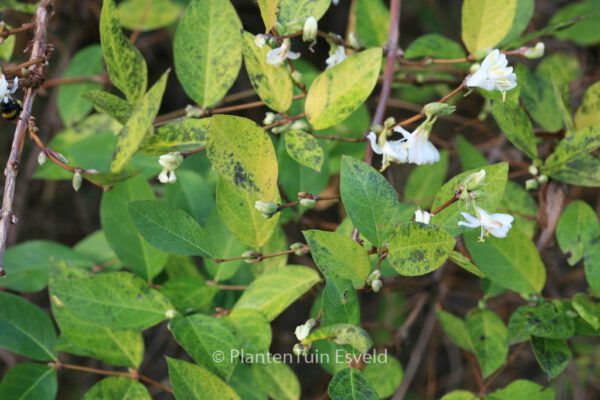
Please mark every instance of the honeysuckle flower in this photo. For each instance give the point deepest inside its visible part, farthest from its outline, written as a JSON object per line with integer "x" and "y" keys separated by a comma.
{"x": 493, "y": 74}
{"x": 422, "y": 216}
{"x": 309, "y": 32}
{"x": 496, "y": 225}
{"x": 302, "y": 331}
{"x": 277, "y": 56}
{"x": 269, "y": 118}
{"x": 391, "y": 150}
{"x": 170, "y": 162}
{"x": 337, "y": 54}
{"x": 5, "y": 91}
{"x": 420, "y": 149}
{"x": 260, "y": 40}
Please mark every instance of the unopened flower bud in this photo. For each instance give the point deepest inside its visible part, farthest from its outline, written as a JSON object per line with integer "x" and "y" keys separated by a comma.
{"x": 535, "y": 52}
{"x": 481, "y": 305}
{"x": 193, "y": 111}
{"x": 373, "y": 276}
{"x": 389, "y": 123}
{"x": 77, "y": 180}
{"x": 309, "y": 33}
{"x": 376, "y": 285}
{"x": 170, "y": 161}
{"x": 251, "y": 256}
{"x": 353, "y": 41}
{"x": 474, "y": 181}
{"x": 438, "y": 109}
{"x": 308, "y": 203}
{"x": 269, "y": 118}
{"x": 531, "y": 184}
{"x": 300, "y": 349}
{"x": 299, "y": 125}
{"x": 260, "y": 40}
{"x": 474, "y": 68}
{"x": 302, "y": 331}
{"x": 423, "y": 217}
{"x": 266, "y": 208}
{"x": 170, "y": 313}
{"x": 42, "y": 158}
{"x": 533, "y": 170}
{"x": 299, "y": 249}
{"x": 297, "y": 77}
{"x": 280, "y": 129}
{"x": 60, "y": 157}
{"x": 542, "y": 179}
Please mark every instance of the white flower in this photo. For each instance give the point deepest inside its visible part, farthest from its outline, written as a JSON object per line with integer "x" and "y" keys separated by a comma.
{"x": 422, "y": 216}
{"x": 494, "y": 74}
{"x": 497, "y": 225}
{"x": 260, "y": 40}
{"x": 302, "y": 331}
{"x": 392, "y": 151}
{"x": 337, "y": 54}
{"x": 5, "y": 91}
{"x": 420, "y": 149}
{"x": 170, "y": 162}
{"x": 277, "y": 56}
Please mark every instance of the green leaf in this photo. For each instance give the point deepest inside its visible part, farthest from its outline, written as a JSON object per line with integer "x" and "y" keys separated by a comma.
{"x": 583, "y": 171}
{"x": 584, "y": 31}
{"x": 417, "y": 249}
{"x": 546, "y": 320}
{"x": 117, "y": 388}
{"x": 268, "y": 12}
{"x": 433, "y": 45}
{"x": 348, "y": 334}
{"x": 489, "y": 337}
{"x": 577, "y": 227}
{"x": 251, "y": 328}
{"x": 385, "y": 376}
{"x": 470, "y": 157}
{"x": 126, "y": 66}
{"x": 553, "y": 355}
{"x": 495, "y": 183}
{"x": 571, "y": 148}
{"x": 110, "y": 104}
{"x": 588, "y": 113}
{"x": 372, "y": 21}
{"x": 118, "y": 300}
{"x": 340, "y": 303}
{"x": 224, "y": 245}
{"x": 147, "y": 16}
{"x": 277, "y": 379}
{"x": 516, "y": 125}
{"x": 8, "y": 45}
{"x": 134, "y": 131}
{"x": 331, "y": 100}
{"x": 243, "y": 153}
{"x": 460, "y": 395}
{"x": 295, "y": 178}
{"x": 523, "y": 14}
{"x": 370, "y": 201}
{"x": 338, "y": 255}
{"x": 178, "y": 136}
{"x": 466, "y": 264}
{"x": 592, "y": 268}
{"x": 25, "y": 329}
{"x": 522, "y": 389}
{"x": 537, "y": 93}
{"x": 457, "y": 330}
{"x": 588, "y": 309}
{"x": 169, "y": 229}
{"x": 350, "y": 383}
{"x": 190, "y": 381}
{"x": 277, "y": 288}
{"x": 28, "y": 381}
{"x": 486, "y": 22}
{"x": 425, "y": 180}
{"x": 272, "y": 84}
{"x": 208, "y": 50}
{"x": 236, "y": 208}
{"x": 189, "y": 292}
{"x": 202, "y": 336}
{"x": 27, "y": 264}
{"x": 243, "y": 382}
{"x": 72, "y": 106}
{"x": 193, "y": 193}
{"x": 121, "y": 233}
{"x": 512, "y": 262}
{"x": 304, "y": 148}
{"x": 293, "y": 13}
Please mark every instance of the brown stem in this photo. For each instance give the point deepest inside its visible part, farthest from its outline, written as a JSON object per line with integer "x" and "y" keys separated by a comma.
{"x": 15, "y": 70}
{"x": 4, "y": 33}
{"x": 38, "y": 50}
{"x": 421, "y": 114}
{"x": 227, "y": 287}
{"x": 340, "y": 138}
{"x": 70, "y": 80}
{"x": 449, "y": 202}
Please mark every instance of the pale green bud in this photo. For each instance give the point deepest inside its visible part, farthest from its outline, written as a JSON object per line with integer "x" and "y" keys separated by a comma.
{"x": 481, "y": 305}
{"x": 269, "y": 118}
{"x": 389, "y": 123}
{"x": 309, "y": 33}
{"x": 533, "y": 170}
{"x": 376, "y": 285}
{"x": 542, "y": 179}
{"x": 297, "y": 77}
{"x": 193, "y": 111}
{"x": 531, "y": 184}
{"x": 436, "y": 109}
{"x": 535, "y": 52}
{"x": 474, "y": 181}
{"x": 251, "y": 256}
{"x": 260, "y": 40}
{"x": 299, "y": 249}
{"x": 308, "y": 203}
{"x": 299, "y": 125}
{"x": 300, "y": 349}
{"x": 373, "y": 276}
{"x": 42, "y": 158}
{"x": 353, "y": 41}
{"x": 77, "y": 180}
{"x": 474, "y": 68}
{"x": 266, "y": 208}
{"x": 60, "y": 157}
{"x": 280, "y": 129}
{"x": 170, "y": 161}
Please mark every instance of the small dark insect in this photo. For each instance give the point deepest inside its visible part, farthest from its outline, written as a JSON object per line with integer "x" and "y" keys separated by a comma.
{"x": 9, "y": 107}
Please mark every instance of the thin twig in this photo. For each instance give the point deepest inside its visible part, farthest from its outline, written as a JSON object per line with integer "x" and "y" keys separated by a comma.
{"x": 12, "y": 165}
